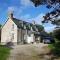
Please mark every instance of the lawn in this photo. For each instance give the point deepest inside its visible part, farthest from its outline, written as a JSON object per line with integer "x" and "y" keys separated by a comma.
{"x": 4, "y": 52}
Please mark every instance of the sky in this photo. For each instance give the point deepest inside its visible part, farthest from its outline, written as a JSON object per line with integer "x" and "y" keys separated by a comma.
{"x": 24, "y": 10}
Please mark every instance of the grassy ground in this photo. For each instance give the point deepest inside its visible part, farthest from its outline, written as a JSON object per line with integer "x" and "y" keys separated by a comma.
{"x": 55, "y": 49}
{"x": 4, "y": 52}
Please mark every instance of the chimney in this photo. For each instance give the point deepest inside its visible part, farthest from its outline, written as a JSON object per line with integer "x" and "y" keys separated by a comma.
{"x": 10, "y": 14}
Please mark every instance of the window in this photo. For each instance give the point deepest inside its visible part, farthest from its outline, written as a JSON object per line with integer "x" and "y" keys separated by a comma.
{"x": 12, "y": 36}
{"x": 29, "y": 33}
{"x": 24, "y": 27}
{"x": 12, "y": 26}
{"x": 31, "y": 28}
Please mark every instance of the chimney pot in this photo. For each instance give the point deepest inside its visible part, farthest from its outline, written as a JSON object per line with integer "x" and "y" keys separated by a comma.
{"x": 10, "y": 15}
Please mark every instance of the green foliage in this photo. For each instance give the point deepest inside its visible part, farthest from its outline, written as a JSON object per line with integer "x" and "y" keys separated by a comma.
{"x": 55, "y": 47}
{"x": 56, "y": 34}
{"x": 0, "y": 25}
{"x": 4, "y": 52}
{"x": 40, "y": 27}
{"x": 55, "y": 12}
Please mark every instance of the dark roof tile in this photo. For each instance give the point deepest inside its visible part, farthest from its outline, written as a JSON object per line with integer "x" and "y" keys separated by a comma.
{"x": 21, "y": 24}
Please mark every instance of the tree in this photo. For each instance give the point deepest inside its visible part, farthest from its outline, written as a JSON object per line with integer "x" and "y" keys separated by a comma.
{"x": 0, "y": 25}
{"x": 40, "y": 28}
{"x": 50, "y": 16}
{"x": 56, "y": 34}
{"x": 53, "y": 18}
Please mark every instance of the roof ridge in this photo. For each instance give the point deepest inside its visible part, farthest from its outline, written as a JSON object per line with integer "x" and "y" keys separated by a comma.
{"x": 21, "y": 20}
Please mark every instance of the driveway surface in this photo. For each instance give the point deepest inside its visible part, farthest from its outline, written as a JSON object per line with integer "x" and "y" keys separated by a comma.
{"x": 28, "y": 52}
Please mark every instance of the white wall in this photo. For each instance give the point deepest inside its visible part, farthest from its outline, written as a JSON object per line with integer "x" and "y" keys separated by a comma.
{"x": 30, "y": 39}
{"x": 6, "y": 32}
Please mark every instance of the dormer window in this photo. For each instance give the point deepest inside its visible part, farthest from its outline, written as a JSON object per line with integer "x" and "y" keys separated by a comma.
{"x": 31, "y": 28}
{"x": 29, "y": 33}
{"x": 36, "y": 29}
{"x": 22, "y": 24}
{"x": 24, "y": 27}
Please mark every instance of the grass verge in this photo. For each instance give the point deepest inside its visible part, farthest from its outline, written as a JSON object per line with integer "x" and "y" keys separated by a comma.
{"x": 4, "y": 52}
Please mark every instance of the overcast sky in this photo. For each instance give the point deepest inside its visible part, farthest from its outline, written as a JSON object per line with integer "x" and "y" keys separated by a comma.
{"x": 24, "y": 10}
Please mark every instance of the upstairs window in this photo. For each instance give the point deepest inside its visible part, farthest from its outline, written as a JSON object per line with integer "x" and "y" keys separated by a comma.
{"x": 24, "y": 27}
{"x": 12, "y": 27}
{"x": 12, "y": 36}
{"x": 29, "y": 33}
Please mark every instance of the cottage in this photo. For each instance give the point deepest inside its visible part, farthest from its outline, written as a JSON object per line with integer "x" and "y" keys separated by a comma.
{"x": 19, "y": 32}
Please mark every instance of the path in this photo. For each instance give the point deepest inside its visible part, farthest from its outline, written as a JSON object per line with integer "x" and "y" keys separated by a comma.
{"x": 28, "y": 52}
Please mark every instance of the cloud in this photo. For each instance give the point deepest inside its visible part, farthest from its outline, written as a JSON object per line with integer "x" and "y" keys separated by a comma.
{"x": 26, "y": 17}
{"x": 16, "y": 11}
{"x": 49, "y": 29}
{"x": 26, "y": 3}
{"x": 11, "y": 8}
{"x": 38, "y": 19}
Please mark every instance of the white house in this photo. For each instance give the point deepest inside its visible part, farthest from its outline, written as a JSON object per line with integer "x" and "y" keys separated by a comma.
{"x": 19, "y": 32}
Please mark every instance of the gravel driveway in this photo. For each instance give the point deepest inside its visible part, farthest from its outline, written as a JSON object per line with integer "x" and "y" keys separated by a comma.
{"x": 28, "y": 52}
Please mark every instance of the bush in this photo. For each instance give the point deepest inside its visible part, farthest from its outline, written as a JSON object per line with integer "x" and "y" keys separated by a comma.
{"x": 55, "y": 49}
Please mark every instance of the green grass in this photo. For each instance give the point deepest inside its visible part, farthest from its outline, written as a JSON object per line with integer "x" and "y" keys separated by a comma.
{"x": 4, "y": 52}
{"x": 50, "y": 46}
{"x": 55, "y": 48}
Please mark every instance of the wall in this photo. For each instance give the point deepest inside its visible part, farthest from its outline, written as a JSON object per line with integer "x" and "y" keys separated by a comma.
{"x": 7, "y": 31}
{"x": 19, "y": 36}
{"x": 30, "y": 38}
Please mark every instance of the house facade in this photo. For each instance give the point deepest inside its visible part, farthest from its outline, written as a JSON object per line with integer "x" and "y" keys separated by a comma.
{"x": 19, "y": 32}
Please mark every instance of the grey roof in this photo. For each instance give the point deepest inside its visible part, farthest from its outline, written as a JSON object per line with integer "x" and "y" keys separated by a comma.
{"x": 27, "y": 25}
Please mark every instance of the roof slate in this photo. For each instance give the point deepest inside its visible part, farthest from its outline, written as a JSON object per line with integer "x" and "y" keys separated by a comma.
{"x": 22, "y": 24}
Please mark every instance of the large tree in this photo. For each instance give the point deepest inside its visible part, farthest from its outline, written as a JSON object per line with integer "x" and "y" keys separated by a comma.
{"x": 56, "y": 34}
{"x": 53, "y": 18}
{"x": 53, "y": 15}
